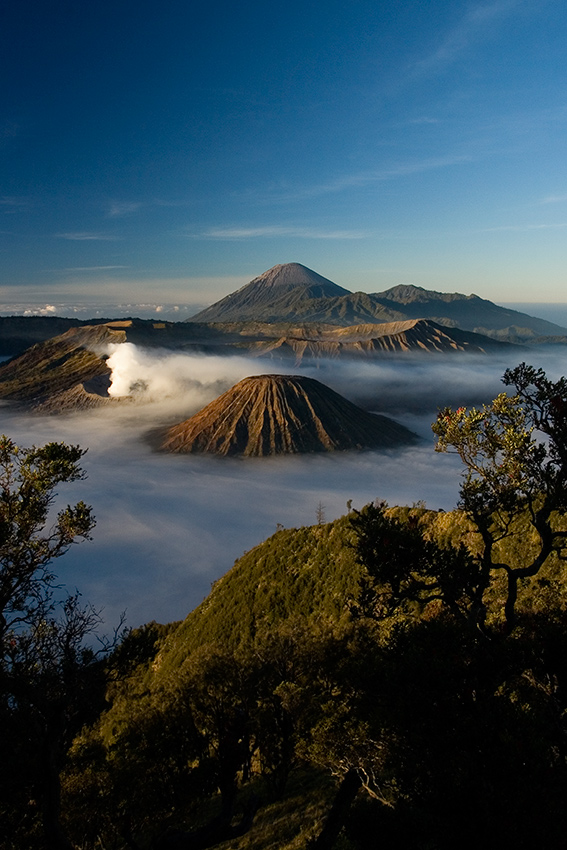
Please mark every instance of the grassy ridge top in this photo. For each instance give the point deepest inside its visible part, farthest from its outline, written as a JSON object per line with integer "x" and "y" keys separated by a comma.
{"x": 296, "y": 572}
{"x": 312, "y": 572}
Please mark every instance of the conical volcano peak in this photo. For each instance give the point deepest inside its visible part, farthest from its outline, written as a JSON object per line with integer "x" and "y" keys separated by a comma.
{"x": 282, "y": 414}
{"x": 290, "y": 275}
{"x": 264, "y": 297}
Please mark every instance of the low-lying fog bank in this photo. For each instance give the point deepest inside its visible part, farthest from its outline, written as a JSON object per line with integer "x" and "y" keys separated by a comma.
{"x": 169, "y": 525}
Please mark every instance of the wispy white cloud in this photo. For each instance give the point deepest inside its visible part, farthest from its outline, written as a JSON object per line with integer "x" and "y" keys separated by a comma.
{"x": 553, "y": 199}
{"x": 478, "y": 21}
{"x": 276, "y": 231}
{"x": 86, "y": 236}
{"x": 367, "y": 178}
{"x": 119, "y": 208}
{"x": 12, "y": 203}
{"x": 424, "y": 119}
{"x": 92, "y": 268}
{"x": 524, "y": 227}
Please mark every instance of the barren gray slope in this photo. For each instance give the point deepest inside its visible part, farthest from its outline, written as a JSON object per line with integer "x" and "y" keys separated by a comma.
{"x": 293, "y": 293}
{"x": 248, "y": 303}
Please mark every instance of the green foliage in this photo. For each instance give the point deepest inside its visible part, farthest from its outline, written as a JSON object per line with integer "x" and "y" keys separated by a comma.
{"x": 304, "y": 572}
{"x": 28, "y": 478}
{"x": 510, "y": 477}
{"x": 51, "y": 683}
{"x": 405, "y": 566}
{"x": 137, "y": 649}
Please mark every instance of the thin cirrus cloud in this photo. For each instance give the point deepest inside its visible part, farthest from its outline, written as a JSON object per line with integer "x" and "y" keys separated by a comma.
{"x": 11, "y": 203}
{"x": 120, "y": 208}
{"x": 477, "y": 22}
{"x": 367, "y": 178}
{"x": 279, "y": 231}
{"x": 86, "y": 236}
{"x": 523, "y": 227}
{"x": 553, "y": 199}
{"x": 92, "y": 268}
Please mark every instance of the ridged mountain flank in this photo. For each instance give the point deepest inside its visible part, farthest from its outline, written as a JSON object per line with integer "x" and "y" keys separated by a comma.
{"x": 268, "y": 290}
{"x": 282, "y": 414}
{"x": 374, "y": 341}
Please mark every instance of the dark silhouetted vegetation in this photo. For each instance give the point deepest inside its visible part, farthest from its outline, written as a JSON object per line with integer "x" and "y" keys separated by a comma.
{"x": 395, "y": 679}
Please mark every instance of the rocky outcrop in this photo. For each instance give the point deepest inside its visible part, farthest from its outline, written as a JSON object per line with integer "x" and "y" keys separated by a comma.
{"x": 282, "y": 414}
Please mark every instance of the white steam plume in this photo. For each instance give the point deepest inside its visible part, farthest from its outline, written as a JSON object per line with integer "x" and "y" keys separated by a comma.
{"x": 152, "y": 375}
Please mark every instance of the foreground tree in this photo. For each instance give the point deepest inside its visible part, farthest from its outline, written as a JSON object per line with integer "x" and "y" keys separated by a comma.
{"x": 405, "y": 568}
{"x": 28, "y": 481}
{"x": 515, "y": 480}
{"x": 50, "y": 681}
{"x": 470, "y": 671}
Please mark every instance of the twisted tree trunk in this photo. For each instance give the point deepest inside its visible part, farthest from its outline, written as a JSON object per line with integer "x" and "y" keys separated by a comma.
{"x": 347, "y": 791}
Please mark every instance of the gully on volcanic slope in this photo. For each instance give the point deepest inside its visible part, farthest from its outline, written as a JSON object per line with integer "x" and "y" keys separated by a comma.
{"x": 282, "y": 414}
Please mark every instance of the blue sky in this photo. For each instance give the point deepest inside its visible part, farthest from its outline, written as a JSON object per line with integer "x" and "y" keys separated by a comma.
{"x": 171, "y": 152}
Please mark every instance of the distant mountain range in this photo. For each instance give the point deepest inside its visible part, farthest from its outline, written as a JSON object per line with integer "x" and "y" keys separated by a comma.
{"x": 293, "y": 293}
{"x": 290, "y": 314}
{"x": 290, "y": 302}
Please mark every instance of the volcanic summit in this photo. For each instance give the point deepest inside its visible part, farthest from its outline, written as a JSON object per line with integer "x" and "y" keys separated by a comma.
{"x": 278, "y": 290}
{"x": 282, "y": 414}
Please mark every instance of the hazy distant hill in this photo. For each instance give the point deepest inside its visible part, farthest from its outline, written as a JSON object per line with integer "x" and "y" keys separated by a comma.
{"x": 282, "y": 414}
{"x": 373, "y": 341}
{"x": 291, "y": 292}
{"x": 465, "y": 311}
{"x": 19, "y": 332}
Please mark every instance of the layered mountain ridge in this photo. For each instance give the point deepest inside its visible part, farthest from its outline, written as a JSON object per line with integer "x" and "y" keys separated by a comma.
{"x": 53, "y": 376}
{"x": 291, "y": 292}
{"x": 289, "y": 314}
{"x": 374, "y": 341}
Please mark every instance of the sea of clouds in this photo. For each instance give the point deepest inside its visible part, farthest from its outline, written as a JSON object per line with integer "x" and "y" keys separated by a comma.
{"x": 170, "y": 525}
